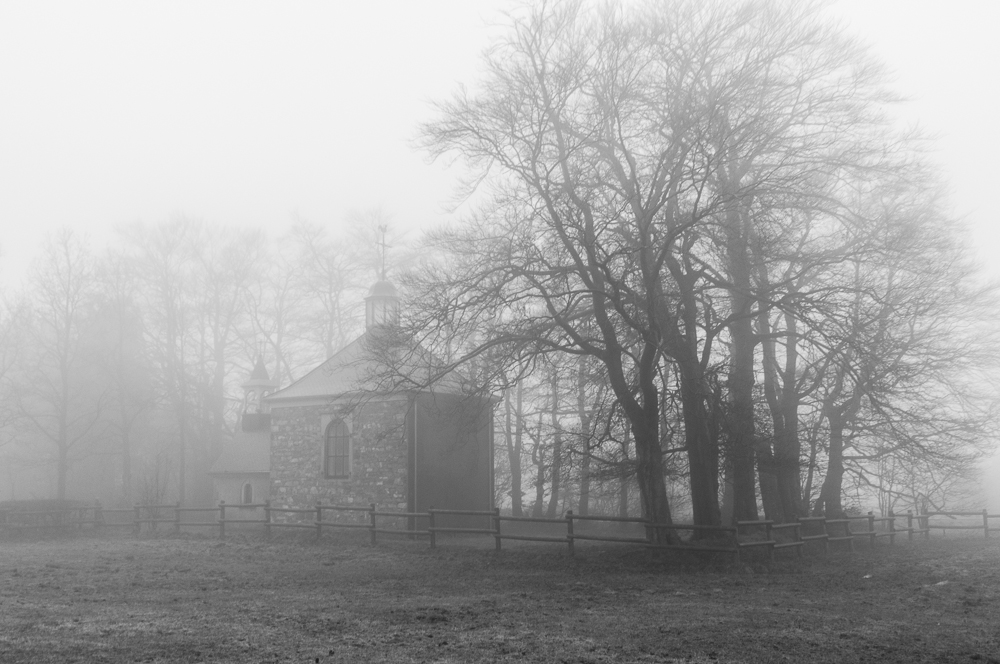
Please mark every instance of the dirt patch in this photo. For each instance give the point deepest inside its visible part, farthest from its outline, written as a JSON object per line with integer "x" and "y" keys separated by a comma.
{"x": 200, "y": 600}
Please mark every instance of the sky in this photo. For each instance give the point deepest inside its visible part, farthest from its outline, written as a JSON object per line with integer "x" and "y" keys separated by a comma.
{"x": 233, "y": 113}
{"x": 253, "y": 113}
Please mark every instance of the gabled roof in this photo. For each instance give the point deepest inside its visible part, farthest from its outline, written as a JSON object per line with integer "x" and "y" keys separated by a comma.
{"x": 358, "y": 369}
{"x": 247, "y": 452}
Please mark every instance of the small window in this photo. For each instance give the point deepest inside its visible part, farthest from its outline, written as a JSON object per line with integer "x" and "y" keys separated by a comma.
{"x": 337, "y": 450}
{"x": 247, "y": 493}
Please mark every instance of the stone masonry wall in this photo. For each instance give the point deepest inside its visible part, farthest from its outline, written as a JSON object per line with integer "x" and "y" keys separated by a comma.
{"x": 379, "y": 456}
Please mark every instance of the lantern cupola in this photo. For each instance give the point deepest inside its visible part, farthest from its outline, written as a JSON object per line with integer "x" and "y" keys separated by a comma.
{"x": 258, "y": 386}
{"x": 381, "y": 305}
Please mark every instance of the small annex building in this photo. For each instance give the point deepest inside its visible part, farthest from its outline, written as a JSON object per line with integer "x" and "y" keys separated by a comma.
{"x": 241, "y": 473}
{"x": 343, "y": 434}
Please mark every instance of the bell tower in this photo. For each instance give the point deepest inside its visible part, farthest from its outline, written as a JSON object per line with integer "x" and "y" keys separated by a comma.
{"x": 259, "y": 385}
{"x": 381, "y": 305}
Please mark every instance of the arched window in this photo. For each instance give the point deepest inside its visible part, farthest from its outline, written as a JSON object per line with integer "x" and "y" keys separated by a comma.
{"x": 337, "y": 460}
{"x": 247, "y": 493}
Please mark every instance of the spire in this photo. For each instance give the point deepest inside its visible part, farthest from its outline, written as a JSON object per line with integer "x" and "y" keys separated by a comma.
{"x": 258, "y": 386}
{"x": 259, "y": 372}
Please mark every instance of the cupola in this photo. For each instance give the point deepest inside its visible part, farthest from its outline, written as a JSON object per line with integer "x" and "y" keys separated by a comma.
{"x": 258, "y": 386}
{"x": 381, "y": 305}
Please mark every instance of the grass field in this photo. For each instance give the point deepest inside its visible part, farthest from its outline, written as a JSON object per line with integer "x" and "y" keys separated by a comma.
{"x": 201, "y": 600}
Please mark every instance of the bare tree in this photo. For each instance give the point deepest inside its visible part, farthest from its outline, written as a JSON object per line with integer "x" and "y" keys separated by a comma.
{"x": 124, "y": 362}
{"x": 328, "y": 276}
{"x": 640, "y": 157}
{"x": 56, "y": 393}
{"x": 163, "y": 258}
{"x": 908, "y": 373}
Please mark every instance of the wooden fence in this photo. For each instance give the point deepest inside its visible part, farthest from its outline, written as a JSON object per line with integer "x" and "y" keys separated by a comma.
{"x": 568, "y": 530}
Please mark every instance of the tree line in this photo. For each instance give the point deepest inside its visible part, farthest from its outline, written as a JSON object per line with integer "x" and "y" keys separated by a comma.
{"x": 122, "y": 365}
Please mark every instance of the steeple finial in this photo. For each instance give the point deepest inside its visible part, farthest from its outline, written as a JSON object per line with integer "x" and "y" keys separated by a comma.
{"x": 383, "y": 229}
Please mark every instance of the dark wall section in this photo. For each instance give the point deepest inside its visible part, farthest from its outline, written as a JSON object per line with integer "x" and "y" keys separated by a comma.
{"x": 454, "y": 464}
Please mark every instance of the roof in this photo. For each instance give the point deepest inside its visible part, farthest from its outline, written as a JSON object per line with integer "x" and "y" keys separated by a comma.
{"x": 358, "y": 367}
{"x": 260, "y": 371}
{"x": 246, "y": 452}
{"x": 259, "y": 377}
{"x": 383, "y": 288}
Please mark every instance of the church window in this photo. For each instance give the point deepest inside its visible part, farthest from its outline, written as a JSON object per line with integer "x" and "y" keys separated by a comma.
{"x": 337, "y": 450}
{"x": 247, "y": 493}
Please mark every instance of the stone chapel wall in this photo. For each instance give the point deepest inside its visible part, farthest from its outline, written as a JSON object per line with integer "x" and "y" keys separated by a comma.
{"x": 379, "y": 456}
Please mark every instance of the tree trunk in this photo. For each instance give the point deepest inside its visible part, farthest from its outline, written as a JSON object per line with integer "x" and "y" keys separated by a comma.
{"x": 767, "y": 476}
{"x": 810, "y": 470}
{"x": 126, "y": 467}
{"x": 624, "y": 475}
{"x": 742, "y": 441}
{"x": 787, "y": 445}
{"x": 555, "y": 484}
{"x": 649, "y": 473}
{"x": 741, "y": 429}
{"x": 703, "y": 455}
{"x": 513, "y": 440}
{"x": 829, "y": 501}
{"x": 583, "y": 509}
{"x": 62, "y": 470}
{"x": 538, "y": 457}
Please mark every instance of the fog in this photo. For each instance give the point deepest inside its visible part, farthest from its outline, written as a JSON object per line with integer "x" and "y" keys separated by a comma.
{"x": 256, "y": 150}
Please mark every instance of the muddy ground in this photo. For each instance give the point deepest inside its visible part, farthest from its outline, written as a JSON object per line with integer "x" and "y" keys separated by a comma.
{"x": 186, "y": 599}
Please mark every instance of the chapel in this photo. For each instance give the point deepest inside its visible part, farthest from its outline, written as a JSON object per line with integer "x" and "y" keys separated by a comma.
{"x": 371, "y": 424}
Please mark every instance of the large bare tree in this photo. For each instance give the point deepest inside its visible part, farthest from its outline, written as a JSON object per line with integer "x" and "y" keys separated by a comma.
{"x": 643, "y": 160}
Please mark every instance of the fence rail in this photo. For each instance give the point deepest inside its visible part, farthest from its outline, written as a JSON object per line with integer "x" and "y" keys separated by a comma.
{"x": 763, "y": 534}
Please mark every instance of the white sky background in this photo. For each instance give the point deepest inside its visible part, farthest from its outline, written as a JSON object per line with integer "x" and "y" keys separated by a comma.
{"x": 248, "y": 112}
{"x": 236, "y": 113}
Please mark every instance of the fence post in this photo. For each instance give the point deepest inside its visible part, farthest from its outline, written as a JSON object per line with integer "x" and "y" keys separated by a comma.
{"x": 496, "y": 526}
{"x": 871, "y": 528}
{"x": 319, "y": 518}
{"x": 136, "y": 517}
{"x": 767, "y": 536}
{"x": 222, "y": 519}
{"x": 569, "y": 531}
{"x": 909, "y": 525}
{"x": 98, "y": 515}
{"x": 371, "y": 516}
{"x": 986, "y": 524}
{"x": 892, "y": 527}
{"x": 430, "y": 528}
{"x": 267, "y": 518}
